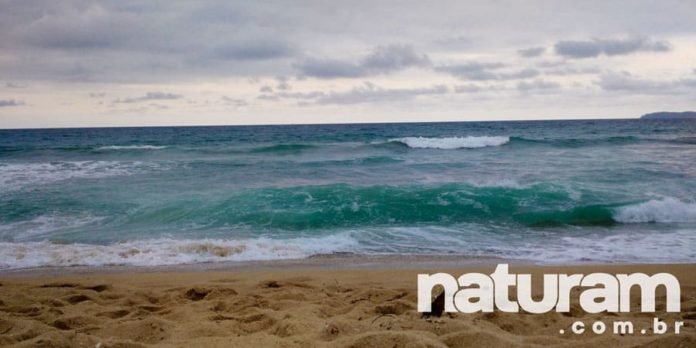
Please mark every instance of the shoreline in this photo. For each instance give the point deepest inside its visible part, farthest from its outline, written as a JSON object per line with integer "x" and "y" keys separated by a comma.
{"x": 320, "y": 262}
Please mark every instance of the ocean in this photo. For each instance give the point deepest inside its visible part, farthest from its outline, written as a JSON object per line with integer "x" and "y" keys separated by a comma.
{"x": 543, "y": 191}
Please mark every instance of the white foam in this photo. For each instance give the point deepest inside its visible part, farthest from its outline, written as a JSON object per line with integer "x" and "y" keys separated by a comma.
{"x": 165, "y": 251}
{"x": 546, "y": 247}
{"x": 44, "y": 225}
{"x": 666, "y": 210}
{"x": 602, "y": 245}
{"x": 495, "y": 182}
{"x": 131, "y": 147}
{"x": 18, "y": 175}
{"x": 452, "y": 143}
{"x": 646, "y": 247}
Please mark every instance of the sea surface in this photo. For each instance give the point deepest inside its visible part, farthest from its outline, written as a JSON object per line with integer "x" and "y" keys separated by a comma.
{"x": 547, "y": 191}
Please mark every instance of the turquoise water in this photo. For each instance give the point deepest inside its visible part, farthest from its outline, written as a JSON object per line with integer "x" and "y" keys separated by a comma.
{"x": 551, "y": 191}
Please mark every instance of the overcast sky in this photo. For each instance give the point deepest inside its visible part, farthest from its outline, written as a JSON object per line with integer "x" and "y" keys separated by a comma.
{"x": 118, "y": 63}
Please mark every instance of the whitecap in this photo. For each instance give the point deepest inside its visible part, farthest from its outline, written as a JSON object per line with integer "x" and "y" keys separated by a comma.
{"x": 451, "y": 143}
{"x": 131, "y": 147}
{"x": 666, "y": 210}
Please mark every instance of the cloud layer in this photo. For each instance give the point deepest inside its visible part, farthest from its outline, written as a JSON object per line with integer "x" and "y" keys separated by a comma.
{"x": 609, "y": 47}
{"x": 65, "y": 61}
{"x": 149, "y": 96}
{"x": 10, "y": 102}
{"x": 381, "y": 60}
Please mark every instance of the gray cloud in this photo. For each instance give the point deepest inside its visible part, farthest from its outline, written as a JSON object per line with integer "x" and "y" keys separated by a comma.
{"x": 115, "y": 41}
{"x": 470, "y": 88}
{"x": 474, "y": 88}
{"x": 235, "y": 102}
{"x": 626, "y": 82}
{"x": 10, "y": 102}
{"x": 72, "y": 29}
{"x": 149, "y": 96}
{"x": 486, "y": 71}
{"x": 567, "y": 71}
{"x": 254, "y": 50}
{"x": 537, "y": 85}
{"x": 13, "y": 85}
{"x": 292, "y": 95}
{"x": 382, "y": 60}
{"x": 330, "y": 68}
{"x": 53, "y": 46}
{"x": 366, "y": 93}
{"x": 521, "y": 74}
{"x": 688, "y": 82}
{"x": 531, "y": 52}
{"x": 369, "y": 93}
{"x": 609, "y": 47}
{"x": 283, "y": 84}
{"x": 565, "y": 67}
{"x": 454, "y": 43}
{"x": 472, "y": 71}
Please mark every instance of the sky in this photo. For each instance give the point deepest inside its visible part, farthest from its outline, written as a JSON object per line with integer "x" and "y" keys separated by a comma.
{"x": 148, "y": 63}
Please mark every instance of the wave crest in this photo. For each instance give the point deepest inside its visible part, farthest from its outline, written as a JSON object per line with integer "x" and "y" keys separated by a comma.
{"x": 452, "y": 143}
{"x": 667, "y": 210}
{"x": 131, "y": 147}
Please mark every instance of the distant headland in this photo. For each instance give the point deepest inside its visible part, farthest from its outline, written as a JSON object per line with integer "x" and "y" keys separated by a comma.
{"x": 663, "y": 115}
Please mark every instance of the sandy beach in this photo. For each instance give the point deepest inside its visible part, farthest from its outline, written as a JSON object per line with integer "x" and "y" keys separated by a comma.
{"x": 311, "y": 303}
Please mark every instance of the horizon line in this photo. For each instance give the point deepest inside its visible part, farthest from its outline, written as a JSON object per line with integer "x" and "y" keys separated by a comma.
{"x": 317, "y": 124}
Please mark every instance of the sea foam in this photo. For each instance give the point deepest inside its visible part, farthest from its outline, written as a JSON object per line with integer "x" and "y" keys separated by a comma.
{"x": 131, "y": 147}
{"x": 628, "y": 246}
{"x": 666, "y": 210}
{"x": 44, "y": 226}
{"x": 15, "y": 176}
{"x": 166, "y": 251}
{"x": 451, "y": 143}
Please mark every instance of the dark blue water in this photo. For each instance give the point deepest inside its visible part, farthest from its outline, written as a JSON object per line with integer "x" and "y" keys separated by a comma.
{"x": 552, "y": 191}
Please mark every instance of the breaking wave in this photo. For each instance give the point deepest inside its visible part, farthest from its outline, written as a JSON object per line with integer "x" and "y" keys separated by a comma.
{"x": 452, "y": 143}
{"x": 667, "y": 210}
{"x": 131, "y": 147}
